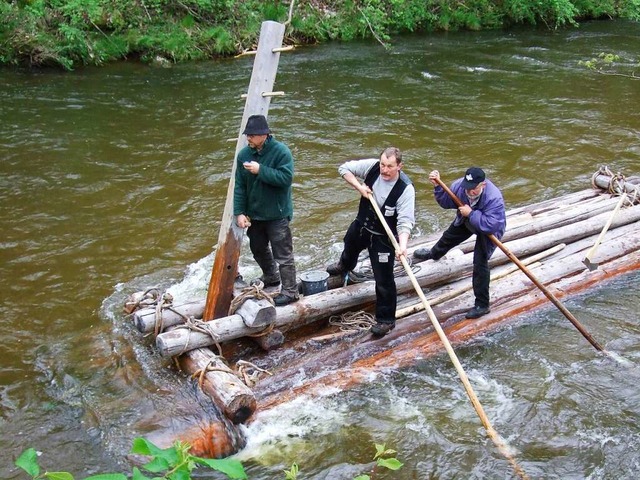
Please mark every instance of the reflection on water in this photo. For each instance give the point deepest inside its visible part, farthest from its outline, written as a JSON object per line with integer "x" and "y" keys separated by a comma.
{"x": 113, "y": 180}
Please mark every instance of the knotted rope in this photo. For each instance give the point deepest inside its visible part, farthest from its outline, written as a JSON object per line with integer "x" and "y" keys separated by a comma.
{"x": 617, "y": 184}
{"x": 209, "y": 367}
{"x": 616, "y": 181}
{"x": 148, "y": 298}
{"x": 252, "y": 291}
{"x": 248, "y": 372}
{"x": 250, "y": 378}
{"x": 194, "y": 325}
{"x": 353, "y": 321}
{"x": 164, "y": 302}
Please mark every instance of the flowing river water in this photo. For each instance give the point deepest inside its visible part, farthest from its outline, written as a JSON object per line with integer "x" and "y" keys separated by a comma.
{"x": 114, "y": 179}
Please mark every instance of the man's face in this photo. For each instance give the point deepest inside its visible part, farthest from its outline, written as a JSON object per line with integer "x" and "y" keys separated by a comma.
{"x": 389, "y": 168}
{"x": 256, "y": 141}
{"x": 477, "y": 190}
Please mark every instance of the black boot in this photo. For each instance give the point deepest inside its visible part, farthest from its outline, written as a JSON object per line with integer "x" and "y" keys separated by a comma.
{"x": 289, "y": 289}
{"x": 267, "y": 282}
{"x": 477, "y": 312}
{"x": 281, "y": 300}
{"x": 336, "y": 269}
{"x": 423, "y": 254}
{"x": 381, "y": 329}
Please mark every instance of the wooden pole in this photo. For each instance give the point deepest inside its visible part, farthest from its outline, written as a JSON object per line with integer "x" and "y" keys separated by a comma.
{"x": 225, "y": 265}
{"x": 497, "y": 440}
{"x": 587, "y": 259}
{"x": 531, "y": 277}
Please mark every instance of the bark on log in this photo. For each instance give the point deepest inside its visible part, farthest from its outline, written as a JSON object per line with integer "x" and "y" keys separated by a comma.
{"x": 212, "y": 439}
{"x": 269, "y": 341}
{"x": 233, "y": 397}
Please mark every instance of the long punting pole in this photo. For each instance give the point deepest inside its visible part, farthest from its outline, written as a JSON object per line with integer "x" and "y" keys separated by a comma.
{"x": 258, "y": 98}
{"x": 526, "y": 271}
{"x": 497, "y": 440}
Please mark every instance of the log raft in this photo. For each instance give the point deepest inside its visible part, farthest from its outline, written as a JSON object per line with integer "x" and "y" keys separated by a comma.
{"x": 531, "y": 229}
{"x": 333, "y": 302}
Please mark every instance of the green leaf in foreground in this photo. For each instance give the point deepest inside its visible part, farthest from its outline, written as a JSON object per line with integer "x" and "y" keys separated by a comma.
{"x": 390, "y": 463}
{"x": 230, "y": 467}
{"x": 28, "y": 462}
{"x": 107, "y": 476}
{"x": 58, "y": 475}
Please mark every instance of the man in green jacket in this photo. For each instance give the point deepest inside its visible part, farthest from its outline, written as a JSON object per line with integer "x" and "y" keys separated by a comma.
{"x": 262, "y": 202}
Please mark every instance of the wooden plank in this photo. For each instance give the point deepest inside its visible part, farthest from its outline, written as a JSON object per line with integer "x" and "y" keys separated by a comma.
{"x": 225, "y": 265}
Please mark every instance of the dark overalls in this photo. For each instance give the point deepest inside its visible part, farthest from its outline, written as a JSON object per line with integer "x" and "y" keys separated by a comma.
{"x": 366, "y": 231}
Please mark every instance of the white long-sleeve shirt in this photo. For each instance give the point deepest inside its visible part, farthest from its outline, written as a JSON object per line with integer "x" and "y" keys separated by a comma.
{"x": 381, "y": 190}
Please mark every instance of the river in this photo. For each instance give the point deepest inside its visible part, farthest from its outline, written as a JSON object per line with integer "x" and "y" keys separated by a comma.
{"x": 114, "y": 179}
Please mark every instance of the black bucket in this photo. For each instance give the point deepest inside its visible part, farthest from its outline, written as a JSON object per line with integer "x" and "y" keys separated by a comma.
{"x": 314, "y": 282}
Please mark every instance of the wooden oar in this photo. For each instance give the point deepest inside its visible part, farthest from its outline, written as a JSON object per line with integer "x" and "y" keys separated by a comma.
{"x": 497, "y": 440}
{"x": 526, "y": 271}
{"x": 587, "y": 259}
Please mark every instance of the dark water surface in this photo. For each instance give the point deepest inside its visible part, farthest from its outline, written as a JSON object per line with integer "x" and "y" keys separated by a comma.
{"x": 114, "y": 179}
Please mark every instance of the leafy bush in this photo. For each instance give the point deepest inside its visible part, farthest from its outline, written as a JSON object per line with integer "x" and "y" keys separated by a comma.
{"x": 67, "y": 33}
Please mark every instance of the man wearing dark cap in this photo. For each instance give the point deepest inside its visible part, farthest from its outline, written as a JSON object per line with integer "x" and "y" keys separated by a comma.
{"x": 483, "y": 213}
{"x": 262, "y": 202}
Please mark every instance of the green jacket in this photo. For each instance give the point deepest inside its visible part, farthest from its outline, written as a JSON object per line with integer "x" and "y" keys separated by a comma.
{"x": 266, "y": 196}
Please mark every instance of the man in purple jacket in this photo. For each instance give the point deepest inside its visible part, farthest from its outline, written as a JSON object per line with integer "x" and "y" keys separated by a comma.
{"x": 483, "y": 213}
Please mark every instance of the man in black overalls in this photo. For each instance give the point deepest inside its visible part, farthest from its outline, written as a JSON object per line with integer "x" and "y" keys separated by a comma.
{"x": 395, "y": 195}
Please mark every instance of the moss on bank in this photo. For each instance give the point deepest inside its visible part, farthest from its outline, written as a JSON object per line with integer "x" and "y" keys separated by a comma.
{"x": 72, "y": 33}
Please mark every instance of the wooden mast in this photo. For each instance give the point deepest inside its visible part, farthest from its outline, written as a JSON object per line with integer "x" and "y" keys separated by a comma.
{"x": 258, "y": 98}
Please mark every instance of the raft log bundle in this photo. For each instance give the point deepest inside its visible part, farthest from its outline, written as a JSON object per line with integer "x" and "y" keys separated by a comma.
{"x": 320, "y": 347}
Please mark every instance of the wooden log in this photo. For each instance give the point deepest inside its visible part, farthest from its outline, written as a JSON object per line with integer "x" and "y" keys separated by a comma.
{"x": 233, "y": 397}
{"x": 270, "y": 340}
{"x": 627, "y": 185}
{"x": 331, "y": 302}
{"x": 257, "y": 313}
{"x": 560, "y": 216}
{"x": 145, "y": 318}
{"x": 562, "y": 265}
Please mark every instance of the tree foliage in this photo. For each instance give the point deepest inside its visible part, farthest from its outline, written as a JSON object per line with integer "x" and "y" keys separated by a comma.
{"x": 71, "y": 33}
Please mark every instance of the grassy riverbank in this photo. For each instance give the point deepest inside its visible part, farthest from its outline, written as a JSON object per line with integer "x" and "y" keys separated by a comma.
{"x": 72, "y": 33}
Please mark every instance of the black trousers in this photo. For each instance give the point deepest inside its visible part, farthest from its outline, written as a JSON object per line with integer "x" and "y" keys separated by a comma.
{"x": 484, "y": 248}
{"x": 382, "y": 256}
{"x": 271, "y": 244}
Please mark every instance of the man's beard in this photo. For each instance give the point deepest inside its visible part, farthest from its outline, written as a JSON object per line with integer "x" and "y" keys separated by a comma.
{"x": 473, "y": 198}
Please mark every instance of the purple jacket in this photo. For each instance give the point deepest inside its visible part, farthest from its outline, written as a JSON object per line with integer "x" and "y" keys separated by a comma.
{"x": 488, "y": 215}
